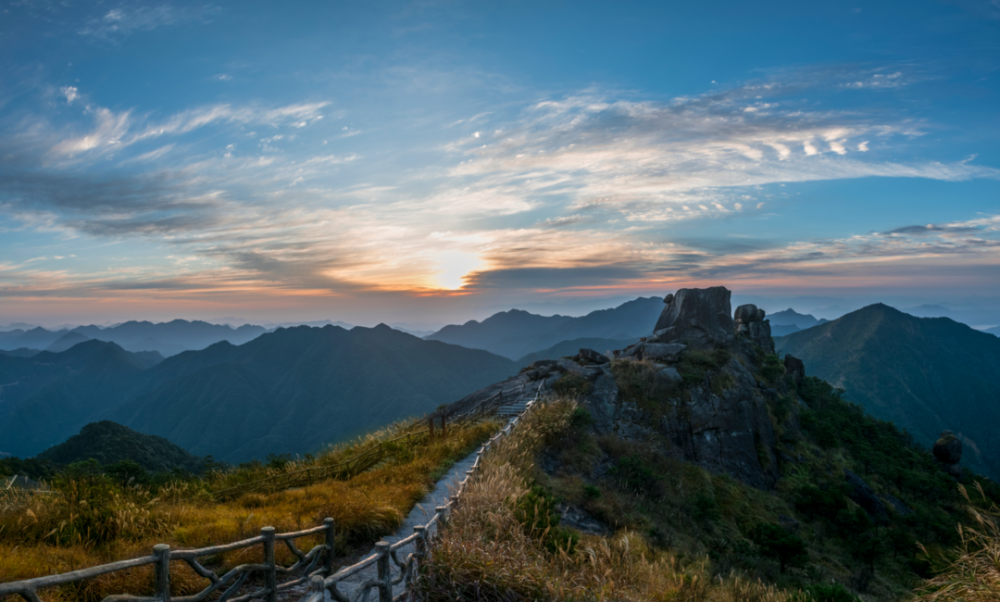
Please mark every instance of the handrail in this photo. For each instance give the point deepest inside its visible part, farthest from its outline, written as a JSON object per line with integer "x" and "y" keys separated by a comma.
{"x": 307, "y": 563}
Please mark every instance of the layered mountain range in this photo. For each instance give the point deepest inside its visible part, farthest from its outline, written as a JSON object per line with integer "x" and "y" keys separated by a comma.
{"x": 289, "y": 391}
{"x": 517, "y": 333}
{"x": 166, "y": 338}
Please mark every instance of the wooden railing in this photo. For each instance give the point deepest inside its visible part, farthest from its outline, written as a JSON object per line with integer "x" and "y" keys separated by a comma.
{"x": 306, "y": 569}
{"x": 230, "y": 583}
{"x": 386, "y": 557}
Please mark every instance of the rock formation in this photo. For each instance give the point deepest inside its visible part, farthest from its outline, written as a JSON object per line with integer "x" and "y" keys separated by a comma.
{"x": 716, "y": 417}
{"x": 948, "y": 451}
{"x": 697, "y": 317}
{"x": 750, "y": 324}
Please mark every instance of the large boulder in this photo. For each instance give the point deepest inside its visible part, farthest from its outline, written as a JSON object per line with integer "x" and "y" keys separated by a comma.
{"x": 749, "y": 323}
{"x": 794, "y": 368}
{"x": 698, "y": 317}
{"x": 948, "y": 449}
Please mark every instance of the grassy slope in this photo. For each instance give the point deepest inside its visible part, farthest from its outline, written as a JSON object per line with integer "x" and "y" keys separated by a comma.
{"x": 117, "y": 523}
{"x": 709, "y": 523}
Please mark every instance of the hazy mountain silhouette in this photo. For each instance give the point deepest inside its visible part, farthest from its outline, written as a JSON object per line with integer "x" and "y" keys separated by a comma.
{"x": 516, "y": 333}
{"x": 995, "y": 330}
{"x": 108, "y": 442}
{"x": 790, "y": 317}
{"x": 296, "y": 389}
{"x": 21, "y": 352}
{"x": 66, "y": 341}
{"x": 170, "y": 338}
{"x": 48, "y": 397}
{"x": 924, "y": 374}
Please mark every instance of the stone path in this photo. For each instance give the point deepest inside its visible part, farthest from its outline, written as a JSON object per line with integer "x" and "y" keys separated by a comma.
{"x": 420, "y": 514}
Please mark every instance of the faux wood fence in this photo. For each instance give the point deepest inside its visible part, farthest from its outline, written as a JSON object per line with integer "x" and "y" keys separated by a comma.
{"x": 314, "y": 567}
{"x": 308, "y": 564}
{"x": 386, "y": 558}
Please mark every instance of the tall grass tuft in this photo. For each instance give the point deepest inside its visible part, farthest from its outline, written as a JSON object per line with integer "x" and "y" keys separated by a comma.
{"x": 975, "y": 575}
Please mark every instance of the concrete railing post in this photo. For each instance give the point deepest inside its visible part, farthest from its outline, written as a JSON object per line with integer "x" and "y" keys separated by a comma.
{"x": 443, "y": 513}
{"x": 384, "y": 574}
{"x": 421, "y": 543}
{"x": 162, "y": 553}
{"x": 328, "y": 565}
{"x": 271, "y": 574}
{"x": 316, "y": 587}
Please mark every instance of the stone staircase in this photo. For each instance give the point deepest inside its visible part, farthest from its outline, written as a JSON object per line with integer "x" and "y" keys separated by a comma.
{"x": 513, "y": 409}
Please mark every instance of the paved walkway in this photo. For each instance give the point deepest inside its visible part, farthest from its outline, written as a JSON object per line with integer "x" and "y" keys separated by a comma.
{"x": 420, "y": 514}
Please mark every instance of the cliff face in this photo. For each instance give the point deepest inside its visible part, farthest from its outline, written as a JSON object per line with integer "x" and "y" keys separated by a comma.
{"x": 699, "y": 386}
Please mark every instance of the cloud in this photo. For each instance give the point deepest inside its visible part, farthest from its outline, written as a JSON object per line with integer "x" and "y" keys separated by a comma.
{"x": 577, "y": 193}
{"x": 128, "y": 19}
{"x": 114, "y": 131}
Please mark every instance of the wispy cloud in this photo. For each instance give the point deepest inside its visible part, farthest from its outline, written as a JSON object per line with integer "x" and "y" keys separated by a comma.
{"x": 565, "y": 192}
{"x": 128, "y": 19}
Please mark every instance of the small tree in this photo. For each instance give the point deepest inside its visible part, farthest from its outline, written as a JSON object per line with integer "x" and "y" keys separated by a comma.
{"x": 774, "y": 541}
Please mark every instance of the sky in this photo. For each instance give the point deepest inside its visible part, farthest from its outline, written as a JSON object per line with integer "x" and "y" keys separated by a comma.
{"x": 433, "y": 162}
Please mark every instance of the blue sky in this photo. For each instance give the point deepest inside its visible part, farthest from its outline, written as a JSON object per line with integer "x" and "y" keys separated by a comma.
{"x": 434, "y": 161}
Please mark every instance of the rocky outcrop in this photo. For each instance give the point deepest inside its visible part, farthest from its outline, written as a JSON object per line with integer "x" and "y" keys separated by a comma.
{"x": 729, "y": 433}
{"x": 697, "y": 317}
{"x": 863, "y": 495}
{"x": 591, "y": 356}
{"x": 794, "y": 369}
{"x": 750, "y": 324}
{"x": 948, "y": 451}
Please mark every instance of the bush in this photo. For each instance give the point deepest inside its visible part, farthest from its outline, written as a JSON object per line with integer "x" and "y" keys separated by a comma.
{"x": 572, "y": 385}
{"x": 591, "y": 492}
{"x": 581, "y": 418}
{"x": 773, "y": 369}
{"x": 536, "y": 511}
{"x": 633, "y": 474}
{"x": 832, "y": 592}
{"x": 775, "y": 542}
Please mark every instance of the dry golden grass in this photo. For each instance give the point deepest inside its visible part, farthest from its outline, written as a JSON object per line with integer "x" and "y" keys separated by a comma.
{"x": 487, "y": 554}
{"x": 33, "y": 543}
{"x": 975, "y": 575}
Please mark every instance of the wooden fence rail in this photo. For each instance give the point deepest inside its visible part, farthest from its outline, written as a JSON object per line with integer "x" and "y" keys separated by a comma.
{"x": 314, "y": 567}
{"x": 308, "y": 564}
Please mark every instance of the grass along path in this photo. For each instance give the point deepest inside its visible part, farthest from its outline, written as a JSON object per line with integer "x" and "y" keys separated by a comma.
{"x": 92, "y": 523}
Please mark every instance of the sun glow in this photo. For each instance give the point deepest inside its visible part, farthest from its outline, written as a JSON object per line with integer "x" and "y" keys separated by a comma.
{"x": 453, "y": 267}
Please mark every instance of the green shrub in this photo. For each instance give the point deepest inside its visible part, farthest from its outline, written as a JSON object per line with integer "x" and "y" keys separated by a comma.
{"x": 572, "y": 385}
{"x": 591, "y": 492}
{"x": 581, "y": 418}
{"x": 832, "y": 592}
{"x": 704, "y": 507}
{"x": 773, "y": 369}
{"x": 536, "y": 510}
{"x": 774, "y": 541}
{"x": 633, "y": 474}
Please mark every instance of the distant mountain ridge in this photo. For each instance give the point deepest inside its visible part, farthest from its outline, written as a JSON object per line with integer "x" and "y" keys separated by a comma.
{"x": 995, "y": 330}
{"x": 167, "y": 338}
{"x": 924, "y": 374}
{"x": 516, "y": 333}
{"x": 289, "y": 391}
{"x": 47, "y": 397}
